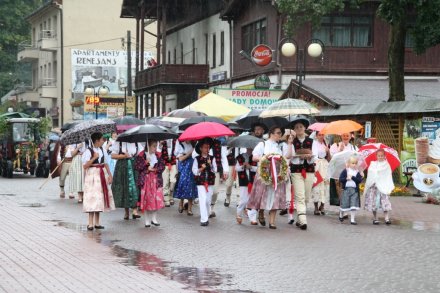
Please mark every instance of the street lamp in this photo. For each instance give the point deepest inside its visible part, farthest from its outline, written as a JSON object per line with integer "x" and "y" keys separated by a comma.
{"x": 288, "y": 48}
{"x": 124, "y": 86}
{"x": 102, "y": 91}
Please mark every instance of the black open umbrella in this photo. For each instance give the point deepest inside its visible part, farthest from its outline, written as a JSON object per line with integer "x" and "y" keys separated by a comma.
{"x": 244, "y": 141}
{"x": 248, "y": 120}
{"x": 181, "y": 113}
{"x": 195, "y": 120}
{"x": 142, "y": 133}
{"x": 128, "y": 120}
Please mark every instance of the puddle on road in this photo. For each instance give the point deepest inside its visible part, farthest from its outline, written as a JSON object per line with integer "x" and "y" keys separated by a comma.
{"x": 199, "y": 279}
{"x": 8, "y": 194}
{"x": 32, "y": 205}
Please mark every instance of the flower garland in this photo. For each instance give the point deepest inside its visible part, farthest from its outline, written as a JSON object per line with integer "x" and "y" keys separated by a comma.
{"x": 264, "y": 169}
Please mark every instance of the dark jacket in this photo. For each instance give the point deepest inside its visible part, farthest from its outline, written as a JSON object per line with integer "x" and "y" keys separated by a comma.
{"x": 357, "y": 179}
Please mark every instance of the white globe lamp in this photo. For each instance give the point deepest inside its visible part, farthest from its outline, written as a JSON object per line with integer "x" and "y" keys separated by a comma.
{"x": 288, "y": 49}
{"x": 314, "y": 50}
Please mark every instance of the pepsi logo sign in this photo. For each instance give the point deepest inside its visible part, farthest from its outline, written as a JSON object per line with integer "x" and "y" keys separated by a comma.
{"x": 262, "y": 55}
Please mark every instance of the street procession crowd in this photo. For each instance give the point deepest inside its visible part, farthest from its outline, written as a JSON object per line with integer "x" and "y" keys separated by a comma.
{"x": 278, "y": 170}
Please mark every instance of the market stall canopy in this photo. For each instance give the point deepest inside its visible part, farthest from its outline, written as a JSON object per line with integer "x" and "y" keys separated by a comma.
{"x": 217, "y": 106}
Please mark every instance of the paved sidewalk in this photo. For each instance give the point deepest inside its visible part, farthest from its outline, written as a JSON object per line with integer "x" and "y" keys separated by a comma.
{"x": 37, "y": 256}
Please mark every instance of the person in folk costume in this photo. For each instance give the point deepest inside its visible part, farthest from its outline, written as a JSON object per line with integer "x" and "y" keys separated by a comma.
{"x": 124, "y": 186}
{"x": 186, "y": 186}
{"x": 76, "y": 170}
{"x": 151, "y": 199}
{"x": 335, "y": 187}
{"x": 267, "y": 197}
{"x": 204, "y": 168}
{"x": 219, "y": 152}
{"x": 290, "y": 196}
{"x": 170, "y": 171}
{"x": 98, "y": 196}
{"x": 64, "y": 161}
{"x": 302, "y": 157}
{"x": 246, "y": 170}
{"x": 320, "y": 191}
{"x": 108, "y": 147}
{"x": 232, "y": 154}
{"x": 378, "y": 187}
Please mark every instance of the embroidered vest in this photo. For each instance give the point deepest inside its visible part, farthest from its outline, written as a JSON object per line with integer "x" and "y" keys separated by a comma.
{"x": 243, "y": 178}
{"x": 207, "y": 175}
{"x": 231, "y": 158}
{"x": 97, "y": 161}
{"x": 306, "y": 144}
{"x": 217, "y": 151}
{"x": 165, "y": 156}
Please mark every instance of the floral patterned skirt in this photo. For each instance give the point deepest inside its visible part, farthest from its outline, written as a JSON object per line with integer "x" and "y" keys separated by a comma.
{"x": 124, "y": 187}
{"x": 375, "y": 200}
{"x": 186, "y": 186}
{"x": 265, "y": 197}
{"x": 151, "y": 194}
{"x": 93, "y": 194}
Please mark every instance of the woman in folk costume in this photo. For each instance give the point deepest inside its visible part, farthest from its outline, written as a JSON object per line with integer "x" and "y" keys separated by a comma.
{"x": 320, "y": 191}
{"x": 204, "y": 168}
{"x": 108, "y": 147}
{"x": 186, "y": 186}
{"x": 98, "y": 196}
{"x": 76, "y": 170}
{"x": 170, "y": 171}
{"x": 148, "y": 182}
{"x": 269, "y": 189}
{"x": 378, "y": 187}
{"x": 302, "y": 168}
{"x": 124, "y": 186}
{"x": 246, "y": 170}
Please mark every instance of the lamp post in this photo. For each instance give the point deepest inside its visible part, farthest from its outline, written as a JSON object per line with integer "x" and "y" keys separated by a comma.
{"x": 288, "y": 48}
{"x": 124, "y": 86}
{"x": 102, "y": 91}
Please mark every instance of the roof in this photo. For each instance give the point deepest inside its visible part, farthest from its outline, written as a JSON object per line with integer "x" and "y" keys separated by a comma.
{"x": 345, "y": 91}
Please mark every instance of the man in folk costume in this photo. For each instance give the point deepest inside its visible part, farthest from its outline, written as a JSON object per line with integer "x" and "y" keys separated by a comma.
{"x": 246, "y": 170}
{"x": 170, "y": 172}
{"x": 204, "y": 169}
{"x": 219, "y": 153}
{"x": 232, "y": 153}
{"x": 302, "y": 168}
{"x": 64, "y": 161}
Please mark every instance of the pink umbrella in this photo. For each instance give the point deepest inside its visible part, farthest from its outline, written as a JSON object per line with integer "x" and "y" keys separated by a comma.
{"x": 122, "y": 128}
{"x": 205, "y": 129}
{"x": 318, "y": 126}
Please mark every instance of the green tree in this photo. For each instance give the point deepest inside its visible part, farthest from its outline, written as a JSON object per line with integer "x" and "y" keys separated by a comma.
{"x": 14, "y": 29}
{"x": 425, "y": 30}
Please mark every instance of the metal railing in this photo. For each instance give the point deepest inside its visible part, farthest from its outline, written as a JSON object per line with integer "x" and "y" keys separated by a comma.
{"x": 26, "y": 45}
{"x": 48, "y": 82}
{"x": 47, "y": 34}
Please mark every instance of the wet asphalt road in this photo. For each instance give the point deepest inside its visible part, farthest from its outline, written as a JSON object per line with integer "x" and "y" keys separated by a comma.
{"x": 225, "y": 257}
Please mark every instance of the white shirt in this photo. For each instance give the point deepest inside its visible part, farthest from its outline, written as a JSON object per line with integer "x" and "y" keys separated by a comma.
{"x": 350, "y": 173}
{"x": 127, "y": 148}
{"x": 321, "y": 149}
{"x": 195, "y": 167}
{"x": 335, "y": 148}
{"x": 69, "y": 149}
{"x": 224, "y": 158}
{"x": 152, "y": 158}
{"x": 180, "y": 151}
{"x": 269, "y": 147}
{"x": 87, "y": 156}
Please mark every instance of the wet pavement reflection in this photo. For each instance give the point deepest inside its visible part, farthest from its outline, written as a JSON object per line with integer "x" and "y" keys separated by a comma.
{"x": 199, "y": 279}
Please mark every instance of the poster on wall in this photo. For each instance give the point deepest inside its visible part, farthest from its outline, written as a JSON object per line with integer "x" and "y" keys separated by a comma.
{"x": 431, "y": 127}
{"x": 109, "y": 107}
{"x": 412, "y": 130}
{"x": 253, "y": 99}
{"x": 97, "y": 68}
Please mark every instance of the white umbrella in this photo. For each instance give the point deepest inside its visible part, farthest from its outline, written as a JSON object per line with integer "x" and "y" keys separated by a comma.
{"x": 339, "y": 162}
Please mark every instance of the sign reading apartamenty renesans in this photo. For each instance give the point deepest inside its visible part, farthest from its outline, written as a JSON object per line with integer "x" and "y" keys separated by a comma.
{"x": 97, "y": 68}
{"x": 253, "y": 99}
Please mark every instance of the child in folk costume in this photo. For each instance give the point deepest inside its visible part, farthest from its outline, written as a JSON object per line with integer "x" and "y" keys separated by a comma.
{"x": 76, "y": 170}
{"x": 246, "y": 170}
{"x": 378, "y": 187}
{"x": 170, "y": 171}
{"x": 350, "y": 179}
{"x": 98, "y": 196}
{"x": 204, "y": 169}
{"x": 151, "y": 193}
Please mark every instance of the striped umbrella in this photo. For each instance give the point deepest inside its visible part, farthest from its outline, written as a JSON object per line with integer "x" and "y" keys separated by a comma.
{"x": 289, "y": 107}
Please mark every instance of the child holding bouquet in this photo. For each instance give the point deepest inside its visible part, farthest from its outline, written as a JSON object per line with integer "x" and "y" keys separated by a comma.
{"x": 378, "y": 187}
{"x": 350, "y": 179}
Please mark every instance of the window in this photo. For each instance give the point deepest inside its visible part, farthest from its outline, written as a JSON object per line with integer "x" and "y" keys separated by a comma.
{"x": 193, "y": 51}
{"x": 181, "y": 53}
{"x": 345, "y": 31}
{"x": 175, "y": 56}
{"x": 253, "y": 34}
{"x": 222, "y": 48}
{"x": 214, "y": 51}
{"x": 206, "y": 48}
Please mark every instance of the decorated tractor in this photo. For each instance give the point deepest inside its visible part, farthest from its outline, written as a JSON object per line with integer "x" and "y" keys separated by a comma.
{"x": 20, "y": 147}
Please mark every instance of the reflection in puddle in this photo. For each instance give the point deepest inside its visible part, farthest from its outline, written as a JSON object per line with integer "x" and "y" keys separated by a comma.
{"x": 8, "y": 194}
{"x": 32, "y": 205}
{"x": 199, "y": 279}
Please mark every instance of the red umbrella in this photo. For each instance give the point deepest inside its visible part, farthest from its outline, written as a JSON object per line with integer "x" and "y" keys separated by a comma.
{"x": 205, "y": 129}
{"x": 368, "y": 152}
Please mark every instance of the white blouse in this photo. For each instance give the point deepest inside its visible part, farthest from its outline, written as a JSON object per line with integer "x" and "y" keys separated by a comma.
{"x": 335, "y": 148}
{"x": 182, "y": 148}
{"x": 321, "y": 149}
{"x": 127, "y": 148}
{"x": 269, "y": 147}
{"x": 87, "y": 155}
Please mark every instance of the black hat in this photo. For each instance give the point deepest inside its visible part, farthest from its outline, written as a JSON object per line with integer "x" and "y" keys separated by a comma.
{"x": 261, "y": 124}
{"x": 202, "y": 142}
{"x": 299, "y": 119}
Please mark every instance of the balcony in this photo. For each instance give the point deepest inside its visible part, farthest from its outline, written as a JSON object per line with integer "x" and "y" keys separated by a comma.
{"x": 48, "y": 40}
{"x": 26, "y": 93}
{"x": 49, "y": 88}
{"x": 27, "y": 52}
{"x": 172, "y": 75}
